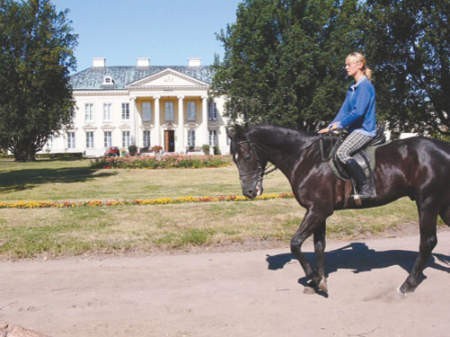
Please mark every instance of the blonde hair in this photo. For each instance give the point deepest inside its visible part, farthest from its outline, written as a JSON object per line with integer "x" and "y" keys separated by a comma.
{"x": 361, "y": 58}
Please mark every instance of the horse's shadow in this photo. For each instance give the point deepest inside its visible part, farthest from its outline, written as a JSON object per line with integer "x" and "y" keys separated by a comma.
{"x": 359, "y": 257}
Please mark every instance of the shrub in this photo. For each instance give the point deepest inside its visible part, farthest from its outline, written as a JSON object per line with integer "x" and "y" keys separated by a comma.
{"x": 205, "y": 149}
{"x": 166, "y": 161}
{"x": 156, "y": 148}
{"x": 132, "y": 150}
{"x": 61, "y": 156}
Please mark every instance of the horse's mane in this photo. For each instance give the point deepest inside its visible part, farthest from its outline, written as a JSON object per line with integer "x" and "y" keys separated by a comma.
{"x": 281, "y": 136}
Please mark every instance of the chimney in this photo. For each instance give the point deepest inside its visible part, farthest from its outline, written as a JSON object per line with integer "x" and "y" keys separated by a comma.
{"x": 143, "y": 62}
{"x": 194, "y": 62}
{"x": 98, "y": 62}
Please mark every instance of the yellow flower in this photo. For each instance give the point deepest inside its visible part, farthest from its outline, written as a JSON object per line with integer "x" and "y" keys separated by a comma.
{"x": 156, "y": 201}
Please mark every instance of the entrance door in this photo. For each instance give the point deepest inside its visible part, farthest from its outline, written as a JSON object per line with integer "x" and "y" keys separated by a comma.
{"x": 169, "y": 140}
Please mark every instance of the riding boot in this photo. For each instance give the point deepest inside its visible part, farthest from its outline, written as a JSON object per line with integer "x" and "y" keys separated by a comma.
{"x": 363, "y": 187}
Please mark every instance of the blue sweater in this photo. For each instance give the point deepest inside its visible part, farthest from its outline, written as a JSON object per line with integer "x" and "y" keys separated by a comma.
{"x": 358, "y": 110}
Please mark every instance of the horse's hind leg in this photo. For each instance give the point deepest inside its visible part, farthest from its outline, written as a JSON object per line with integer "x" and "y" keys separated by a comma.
{"x": 445, "y": 215}
{"x": 428, "y": 240}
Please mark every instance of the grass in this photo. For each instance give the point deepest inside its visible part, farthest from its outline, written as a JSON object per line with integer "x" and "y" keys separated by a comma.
{"x": 62, "y": 180}
{"x": 52, "y": 232}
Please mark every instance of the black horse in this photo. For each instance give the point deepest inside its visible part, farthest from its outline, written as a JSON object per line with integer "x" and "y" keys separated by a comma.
{"x": 415, "y": 167}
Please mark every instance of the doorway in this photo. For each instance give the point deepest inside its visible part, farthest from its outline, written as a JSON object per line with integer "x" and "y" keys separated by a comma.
{"x": 169, "y": 140}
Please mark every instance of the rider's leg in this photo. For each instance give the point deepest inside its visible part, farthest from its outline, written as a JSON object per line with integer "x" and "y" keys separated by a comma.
{"x": 363, "y": 187}
{"x": 351, "y": 144}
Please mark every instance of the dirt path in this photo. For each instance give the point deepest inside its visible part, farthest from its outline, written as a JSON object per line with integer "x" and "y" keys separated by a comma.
{"x": 230, "y": 294}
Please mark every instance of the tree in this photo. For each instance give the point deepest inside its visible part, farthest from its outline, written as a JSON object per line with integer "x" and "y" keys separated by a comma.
{"x": 283, "y": 61}
{"x": 408, "y": 41}
{"x": 36, "y": 55}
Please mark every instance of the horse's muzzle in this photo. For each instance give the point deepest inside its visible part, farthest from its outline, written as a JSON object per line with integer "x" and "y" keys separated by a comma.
{"x": 252, "y": 191}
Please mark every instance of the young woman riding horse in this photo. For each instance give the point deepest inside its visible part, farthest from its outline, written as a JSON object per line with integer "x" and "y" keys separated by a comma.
{"x": 357, "y": 114}
{"x": 416, "y": 167}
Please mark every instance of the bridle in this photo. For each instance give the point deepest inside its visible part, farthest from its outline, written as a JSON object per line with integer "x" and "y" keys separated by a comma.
{"x": 259, "y": 172}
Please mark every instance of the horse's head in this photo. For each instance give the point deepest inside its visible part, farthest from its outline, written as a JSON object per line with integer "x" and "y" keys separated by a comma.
{"x": 251, "y": 167}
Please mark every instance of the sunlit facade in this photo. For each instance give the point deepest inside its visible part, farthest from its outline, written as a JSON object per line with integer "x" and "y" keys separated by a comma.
{"x": 143, "y": 105}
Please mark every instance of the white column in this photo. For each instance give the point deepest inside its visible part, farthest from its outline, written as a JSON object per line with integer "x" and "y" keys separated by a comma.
{"x": 179, "y": 145}
{"x": 156, "y": 138}
{"x": 203, "y": 130}
{"x": 133, "y": 122}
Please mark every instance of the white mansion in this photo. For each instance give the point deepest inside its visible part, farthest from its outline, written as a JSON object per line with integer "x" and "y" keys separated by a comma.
{"x": 143, "y": 105}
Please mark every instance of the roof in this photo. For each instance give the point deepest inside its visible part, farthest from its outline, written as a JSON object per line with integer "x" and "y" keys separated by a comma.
{"x": 93, "y": 78}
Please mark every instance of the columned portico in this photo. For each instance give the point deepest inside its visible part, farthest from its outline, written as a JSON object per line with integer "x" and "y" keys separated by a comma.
{"x": 120, "y": 106}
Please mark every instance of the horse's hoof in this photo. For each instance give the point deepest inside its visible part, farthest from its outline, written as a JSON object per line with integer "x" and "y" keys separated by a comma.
{"x": 406, "y": 288}
{"x": 400, "y": 292}
{"x": 323, "y": 287}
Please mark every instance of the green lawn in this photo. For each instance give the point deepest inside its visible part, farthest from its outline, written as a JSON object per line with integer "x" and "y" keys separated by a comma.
{"x": 62, "y": 180}
{"x": 91, "y": 230}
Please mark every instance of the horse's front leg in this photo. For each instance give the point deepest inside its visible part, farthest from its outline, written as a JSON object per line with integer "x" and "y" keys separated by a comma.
{"x": 311, "y": 223}
{"x": 319, "y": 249}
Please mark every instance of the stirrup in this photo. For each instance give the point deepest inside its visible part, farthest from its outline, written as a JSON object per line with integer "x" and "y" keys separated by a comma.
{"x": 359, "y": 197}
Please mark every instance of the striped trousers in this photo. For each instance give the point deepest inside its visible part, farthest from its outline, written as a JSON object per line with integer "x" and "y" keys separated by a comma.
{"x": 351, "y": 144}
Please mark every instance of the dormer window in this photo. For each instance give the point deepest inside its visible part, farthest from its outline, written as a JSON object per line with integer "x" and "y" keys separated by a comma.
{"x": 108, "y": 81}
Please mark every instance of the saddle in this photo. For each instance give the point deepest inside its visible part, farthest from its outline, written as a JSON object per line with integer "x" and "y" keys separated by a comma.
{"x": 365, "y": 157}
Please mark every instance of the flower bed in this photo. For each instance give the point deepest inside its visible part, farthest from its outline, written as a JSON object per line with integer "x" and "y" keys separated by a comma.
{"x": 161, "y": 162}
{"x": 156, "y": 201}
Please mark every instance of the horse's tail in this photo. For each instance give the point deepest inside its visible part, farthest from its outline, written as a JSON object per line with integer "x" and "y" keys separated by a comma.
{"x": 445, "y": 214}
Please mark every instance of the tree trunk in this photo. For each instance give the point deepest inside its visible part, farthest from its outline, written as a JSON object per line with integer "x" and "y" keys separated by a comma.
{"x": 24, "y": 153}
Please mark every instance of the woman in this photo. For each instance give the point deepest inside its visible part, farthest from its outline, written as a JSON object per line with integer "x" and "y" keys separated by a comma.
{"x": 358, "y": 115}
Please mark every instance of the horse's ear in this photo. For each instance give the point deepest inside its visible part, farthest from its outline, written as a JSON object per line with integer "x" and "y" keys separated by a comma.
{"x": 234, "y": 130}
{"x": 231, "y": 131}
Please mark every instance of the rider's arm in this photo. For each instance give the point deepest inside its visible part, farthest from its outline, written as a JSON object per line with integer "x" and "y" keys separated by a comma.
{"x": 360, "y": 104}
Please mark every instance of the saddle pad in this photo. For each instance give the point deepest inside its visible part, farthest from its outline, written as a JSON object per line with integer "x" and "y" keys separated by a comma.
{"x": 365, "y": 158}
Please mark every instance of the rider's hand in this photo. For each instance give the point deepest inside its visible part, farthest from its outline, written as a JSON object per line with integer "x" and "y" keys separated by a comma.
{"x": 329, "y": 129}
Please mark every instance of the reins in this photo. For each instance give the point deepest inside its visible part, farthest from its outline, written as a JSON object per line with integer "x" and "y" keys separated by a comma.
{"x": 264, "y": 172}
{"x": 340, "y": 138}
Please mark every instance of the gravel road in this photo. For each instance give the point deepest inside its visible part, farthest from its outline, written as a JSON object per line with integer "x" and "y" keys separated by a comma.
{"x": 251, "y": 293}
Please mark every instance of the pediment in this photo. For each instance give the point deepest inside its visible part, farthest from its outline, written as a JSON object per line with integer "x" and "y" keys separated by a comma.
{"x": 167, "y": 78}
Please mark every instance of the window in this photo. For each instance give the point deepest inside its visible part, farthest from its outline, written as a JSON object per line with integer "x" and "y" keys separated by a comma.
{"x": 212, "y": 137}
{"x": 168, "y": 112}
{"x": 107, "y": 139}
{"x": 108, "y": 81}
{"x": 125, "y": 111}
{"x": 146, "y": 138}
{"x": 125, "y": 139}
{"x": 212, "y": 110}
{"x": 191, "y": 111}
{"x": 70, "y": 140}
{"x": 89, "y": 139}
{"x": 89, "y": 112}
{"x": 191, "y": 139}
{"x": 146, "y": 111}
{"x": 107, "y": 112}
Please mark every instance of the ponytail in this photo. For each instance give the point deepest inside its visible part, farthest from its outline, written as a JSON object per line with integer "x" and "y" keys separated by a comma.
{"x": 368, "y": 72}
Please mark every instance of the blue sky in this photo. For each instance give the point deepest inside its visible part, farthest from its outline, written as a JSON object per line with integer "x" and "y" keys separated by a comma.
{"x": 169, "y": 32}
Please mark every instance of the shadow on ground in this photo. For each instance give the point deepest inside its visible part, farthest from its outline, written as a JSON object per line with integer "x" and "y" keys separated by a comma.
{"x": 29, "y": 178}
{"x": 359, "y": 257}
